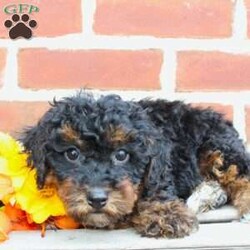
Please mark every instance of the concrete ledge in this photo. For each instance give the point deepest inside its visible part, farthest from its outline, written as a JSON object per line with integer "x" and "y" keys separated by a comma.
{"x": 231, "y": 235}
{"x": 223, "y": 214}
{"x": 210, "y": 236}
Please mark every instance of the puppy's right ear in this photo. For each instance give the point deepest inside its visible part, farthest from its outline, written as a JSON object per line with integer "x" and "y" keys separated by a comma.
{"x": 34, "y": 140}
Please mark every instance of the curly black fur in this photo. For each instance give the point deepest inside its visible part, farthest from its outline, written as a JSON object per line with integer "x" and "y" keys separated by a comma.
{"x": 166, "y": 141}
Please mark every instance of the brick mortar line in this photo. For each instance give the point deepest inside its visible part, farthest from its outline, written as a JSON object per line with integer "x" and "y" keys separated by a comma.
{"x": 239, "y": 120}
{"x": 77, "y": 42}
{"x": 88, "y": 10}
{"x": 239, "y": 24}
{"x": 168, "y": 72}
{"x": 10, "y": 72}
{"x": 224, "y": 98}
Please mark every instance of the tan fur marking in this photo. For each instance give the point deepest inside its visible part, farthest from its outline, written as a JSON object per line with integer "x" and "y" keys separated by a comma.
{"x": 238, "y": 188}
{"x": 117, "y": 135}
{"x": 71, "y": 136}
{"x": 209, "y": 161}
{"x": 69, "y": 133}
{"x": 122, "y": 200}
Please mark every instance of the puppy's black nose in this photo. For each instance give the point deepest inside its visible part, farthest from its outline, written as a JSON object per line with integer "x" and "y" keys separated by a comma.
{"x": 97, "y": 198}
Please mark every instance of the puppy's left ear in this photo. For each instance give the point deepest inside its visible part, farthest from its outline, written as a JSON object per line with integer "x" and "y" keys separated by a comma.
{"x": 34, "y": 140}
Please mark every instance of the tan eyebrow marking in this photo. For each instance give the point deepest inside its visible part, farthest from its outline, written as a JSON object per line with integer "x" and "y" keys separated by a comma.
{"x": 118, "y": 135}
{"x": 70, "y": 135}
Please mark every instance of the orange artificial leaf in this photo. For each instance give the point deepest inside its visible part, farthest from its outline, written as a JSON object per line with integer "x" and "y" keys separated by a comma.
{"x": 65, "y": 222}
{"x": 5, "y": 226}
{"x": 5, "y": 186}
{"x": 13, "y": 212}
{"x": 19, "y": 218}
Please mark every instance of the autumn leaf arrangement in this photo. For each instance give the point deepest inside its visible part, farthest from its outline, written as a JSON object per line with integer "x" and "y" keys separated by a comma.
{"x": 23, "y": 206}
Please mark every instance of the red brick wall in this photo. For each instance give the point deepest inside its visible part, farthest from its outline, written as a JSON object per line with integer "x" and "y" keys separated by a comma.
{"x": 193, "y": 50}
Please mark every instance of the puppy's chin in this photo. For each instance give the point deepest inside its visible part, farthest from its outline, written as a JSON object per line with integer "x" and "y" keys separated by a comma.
{"x": 99, "y": 220}
{"x": 93, "y": 219}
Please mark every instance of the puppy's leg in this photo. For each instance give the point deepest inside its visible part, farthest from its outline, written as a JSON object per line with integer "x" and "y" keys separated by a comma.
{"x": 170, "y": 219}
{"x": 234, "y": 174}
{"x": 160, "y": 213}
{"x": 237, "y": 188}
{"x": 209, "y": 194}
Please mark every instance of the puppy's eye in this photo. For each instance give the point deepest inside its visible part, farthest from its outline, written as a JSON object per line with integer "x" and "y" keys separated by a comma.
{"x": 121, "y": 156}
{"x": 71, "y": 154}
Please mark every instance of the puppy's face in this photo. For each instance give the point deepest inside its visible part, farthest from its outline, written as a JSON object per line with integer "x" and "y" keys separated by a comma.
{"x": 95, "y": 153}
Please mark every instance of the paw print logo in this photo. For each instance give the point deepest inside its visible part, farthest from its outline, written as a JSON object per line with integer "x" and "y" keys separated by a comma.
{"x": 20, "y": 26}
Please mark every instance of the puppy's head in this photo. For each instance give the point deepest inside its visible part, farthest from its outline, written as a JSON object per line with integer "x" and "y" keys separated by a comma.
{"x": 95, "y": 152}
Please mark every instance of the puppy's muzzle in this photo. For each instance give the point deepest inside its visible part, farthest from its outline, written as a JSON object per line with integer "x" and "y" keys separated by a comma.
{"x": 97, "y": 197}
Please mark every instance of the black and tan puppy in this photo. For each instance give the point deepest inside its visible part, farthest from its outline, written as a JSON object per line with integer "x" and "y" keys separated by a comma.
{"x": 117, "y": 162}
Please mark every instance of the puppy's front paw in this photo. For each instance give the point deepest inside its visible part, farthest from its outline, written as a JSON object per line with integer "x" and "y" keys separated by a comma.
{"x": 170, "y": 219}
